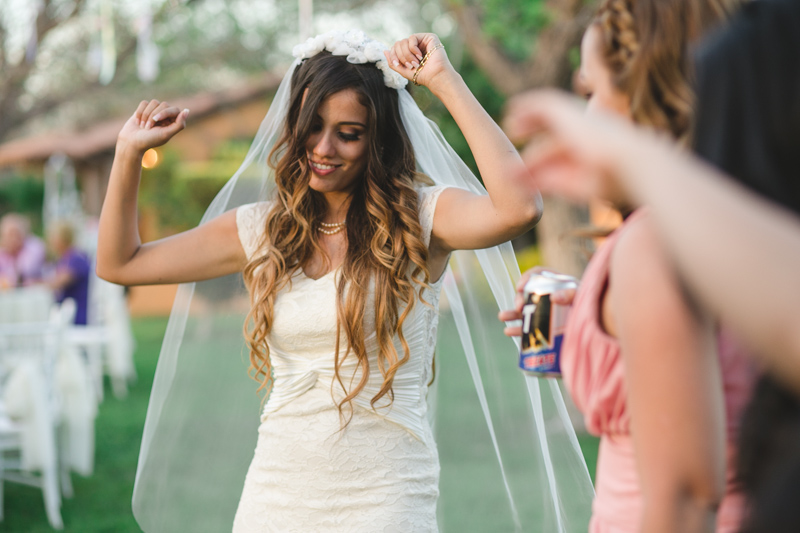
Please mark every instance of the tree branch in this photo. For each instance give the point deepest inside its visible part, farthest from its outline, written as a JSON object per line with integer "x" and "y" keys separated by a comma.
{"x": 15, "y": 76}
{"x": 503, "y": 73}
{"x": 13, "y": 87}
{"x": 548, "y": 66}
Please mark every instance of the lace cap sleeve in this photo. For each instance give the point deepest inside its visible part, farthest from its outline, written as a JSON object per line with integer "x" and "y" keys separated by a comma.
{"x": 250, "y": 226}
{"x": 428, "y": 196}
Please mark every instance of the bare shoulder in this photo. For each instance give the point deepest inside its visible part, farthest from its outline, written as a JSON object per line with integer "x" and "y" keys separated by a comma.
{"x": 639, "y": 255}
{"x": 643, "y": 284}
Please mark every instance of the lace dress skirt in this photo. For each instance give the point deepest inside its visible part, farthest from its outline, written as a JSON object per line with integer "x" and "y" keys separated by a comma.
{"x": 307, "y": 475}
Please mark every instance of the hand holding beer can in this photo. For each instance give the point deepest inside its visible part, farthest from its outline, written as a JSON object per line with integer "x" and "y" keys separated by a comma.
{"x": 543, "y": 324}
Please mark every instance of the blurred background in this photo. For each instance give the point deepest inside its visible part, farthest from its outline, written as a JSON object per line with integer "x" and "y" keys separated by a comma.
{"x": 71, "y": 73}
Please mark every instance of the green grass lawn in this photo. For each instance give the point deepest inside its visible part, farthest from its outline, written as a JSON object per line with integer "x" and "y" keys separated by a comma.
{"x": 102, "y": 502}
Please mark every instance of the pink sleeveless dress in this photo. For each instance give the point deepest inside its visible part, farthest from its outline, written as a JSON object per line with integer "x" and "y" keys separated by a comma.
{"x": 593, "y": 373}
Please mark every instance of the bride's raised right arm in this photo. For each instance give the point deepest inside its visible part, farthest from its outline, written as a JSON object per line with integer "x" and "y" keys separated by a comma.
{"x": 207, "y": 251}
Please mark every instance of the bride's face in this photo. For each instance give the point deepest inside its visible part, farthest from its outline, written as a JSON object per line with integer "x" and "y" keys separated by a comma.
{"x": 337, "y": 147}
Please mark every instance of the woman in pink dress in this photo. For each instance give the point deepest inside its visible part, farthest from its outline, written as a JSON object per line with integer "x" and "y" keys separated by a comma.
{"x": 653, "y": 376}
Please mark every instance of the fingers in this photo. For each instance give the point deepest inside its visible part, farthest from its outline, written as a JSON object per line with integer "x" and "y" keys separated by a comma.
{"x": 396, "y": 65}
{"x": 149, "y": 109}
{"x": 411, "y": 59}
{"x": 163, "y": 112}
{"x": 405, "y": 55}
{"x": 523, "y": 279}
{"x": 557, "y": 170}
{"x": 414, "y": 47}
{"x": 164, "y": 115}
{"x": 518, "y": 299}
{"x": 402, "y": 59}
{"x": 563, "y": 297}
{"x": 179, "y": 122}
{"x": 522, "y": 118}
{"x": 540, "y": 111}
{"x": 155, "y": 113}
{"x": 140, "y": 111}
{"x": 509, "y": 316}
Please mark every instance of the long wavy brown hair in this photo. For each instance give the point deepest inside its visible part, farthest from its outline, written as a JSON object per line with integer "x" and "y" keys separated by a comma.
{"x": 646, "y": 46}
{"x": 385, "y": 248}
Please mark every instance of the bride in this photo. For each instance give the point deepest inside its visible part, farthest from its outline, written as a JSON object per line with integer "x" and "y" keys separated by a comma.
{"x": 344, "y": 263}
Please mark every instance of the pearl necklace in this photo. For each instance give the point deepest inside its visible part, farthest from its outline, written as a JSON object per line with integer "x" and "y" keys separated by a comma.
{"x": 331, "y": 228}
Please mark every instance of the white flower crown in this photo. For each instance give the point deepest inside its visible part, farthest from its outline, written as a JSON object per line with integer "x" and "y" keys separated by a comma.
{"x": 358, "y": 48}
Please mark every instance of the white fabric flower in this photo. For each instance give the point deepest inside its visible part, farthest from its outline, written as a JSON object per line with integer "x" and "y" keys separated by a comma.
{"x": 357, "y": 47}
{"x": 373, "y": 51}
{"x": 311, "y": 47}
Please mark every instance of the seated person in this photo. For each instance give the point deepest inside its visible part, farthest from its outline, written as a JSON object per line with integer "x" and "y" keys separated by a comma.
{"x": 72, "y": 270}
{"x": 22, "y": 255}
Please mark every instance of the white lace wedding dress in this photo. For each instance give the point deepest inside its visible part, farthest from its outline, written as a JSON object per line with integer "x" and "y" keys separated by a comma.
{"x": 379, "y": 474}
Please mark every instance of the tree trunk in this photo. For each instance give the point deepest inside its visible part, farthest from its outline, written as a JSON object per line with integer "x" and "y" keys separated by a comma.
{"x": 561, "y": 248}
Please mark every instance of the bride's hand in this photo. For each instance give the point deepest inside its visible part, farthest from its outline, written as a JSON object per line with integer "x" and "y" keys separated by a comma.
{"x": 153, "y": 124}
{"x": 405, "y": 57}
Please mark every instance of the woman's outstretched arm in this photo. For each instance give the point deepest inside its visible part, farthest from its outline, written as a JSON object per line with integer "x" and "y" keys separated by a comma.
{"x": 738, "y": 253}
{"x": 205, "y": 252}
{"x": 465, "y": 220}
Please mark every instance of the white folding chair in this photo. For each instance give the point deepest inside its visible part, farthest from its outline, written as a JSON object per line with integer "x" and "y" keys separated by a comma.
{"x": 108, "y": 338}
{"x": 26, "y": 304}
{"x": 30, "y": 418}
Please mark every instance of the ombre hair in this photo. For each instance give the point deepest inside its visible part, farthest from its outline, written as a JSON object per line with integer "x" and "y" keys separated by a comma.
{"x": 645, "y": 44}
{"x": 385, "y": 248}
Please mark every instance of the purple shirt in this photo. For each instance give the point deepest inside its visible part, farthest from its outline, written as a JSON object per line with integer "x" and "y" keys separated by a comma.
{"x": 79, "y": 267}
{"x": 26, "y": 267}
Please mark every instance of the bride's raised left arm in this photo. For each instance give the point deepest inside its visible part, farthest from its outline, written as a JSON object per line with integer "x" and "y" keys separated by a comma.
{"x": 465, "y": 220}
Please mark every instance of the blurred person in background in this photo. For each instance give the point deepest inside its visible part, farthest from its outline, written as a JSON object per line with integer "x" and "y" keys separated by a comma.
{"x": 22, "y": 255}
{"x": 748, "y": 126}
{"x": 737, "y": 245}
{"x": 639, "y": 358}
{"x": 70, "y": 278}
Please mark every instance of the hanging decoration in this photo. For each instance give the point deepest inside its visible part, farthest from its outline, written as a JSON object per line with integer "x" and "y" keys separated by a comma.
{"x": 108, "y": 63}
{"x": 33, "y": 40}
{"x": 306, "y": 18}
{"x": 147, "y": 52}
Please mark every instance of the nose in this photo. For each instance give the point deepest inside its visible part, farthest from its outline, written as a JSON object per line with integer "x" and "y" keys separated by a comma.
{"x": 323, "y": 144}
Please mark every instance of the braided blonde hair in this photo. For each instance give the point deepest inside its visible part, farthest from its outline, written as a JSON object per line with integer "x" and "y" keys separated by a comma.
{"x": 646, "y": 46}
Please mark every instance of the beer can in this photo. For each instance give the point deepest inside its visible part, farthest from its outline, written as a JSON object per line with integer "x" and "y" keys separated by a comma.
{"x": 543, "y": 324}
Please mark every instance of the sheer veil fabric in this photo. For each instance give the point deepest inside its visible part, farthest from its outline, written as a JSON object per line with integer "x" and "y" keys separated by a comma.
{"x": 506, "y": 444}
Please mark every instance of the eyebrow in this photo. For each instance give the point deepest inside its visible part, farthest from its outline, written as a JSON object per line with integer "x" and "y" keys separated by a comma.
{"x": 352, "y": 124}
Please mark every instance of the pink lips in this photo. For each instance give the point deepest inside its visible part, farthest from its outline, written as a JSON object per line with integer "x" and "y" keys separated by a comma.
{"x": 322, "y": 169}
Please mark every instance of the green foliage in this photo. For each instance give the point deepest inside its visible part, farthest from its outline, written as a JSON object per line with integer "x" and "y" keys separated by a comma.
{"x": 177, "y": 203}
{"x": 513, "y": 23}
{"x": 23, "y": 194}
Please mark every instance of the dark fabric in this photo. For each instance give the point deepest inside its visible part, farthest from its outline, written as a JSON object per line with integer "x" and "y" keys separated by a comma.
{"x": 79, "y": 267}
{"x": 748, "y": 99}
{"x": 748, "y": 125}
{"x": 769, "y": 459}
